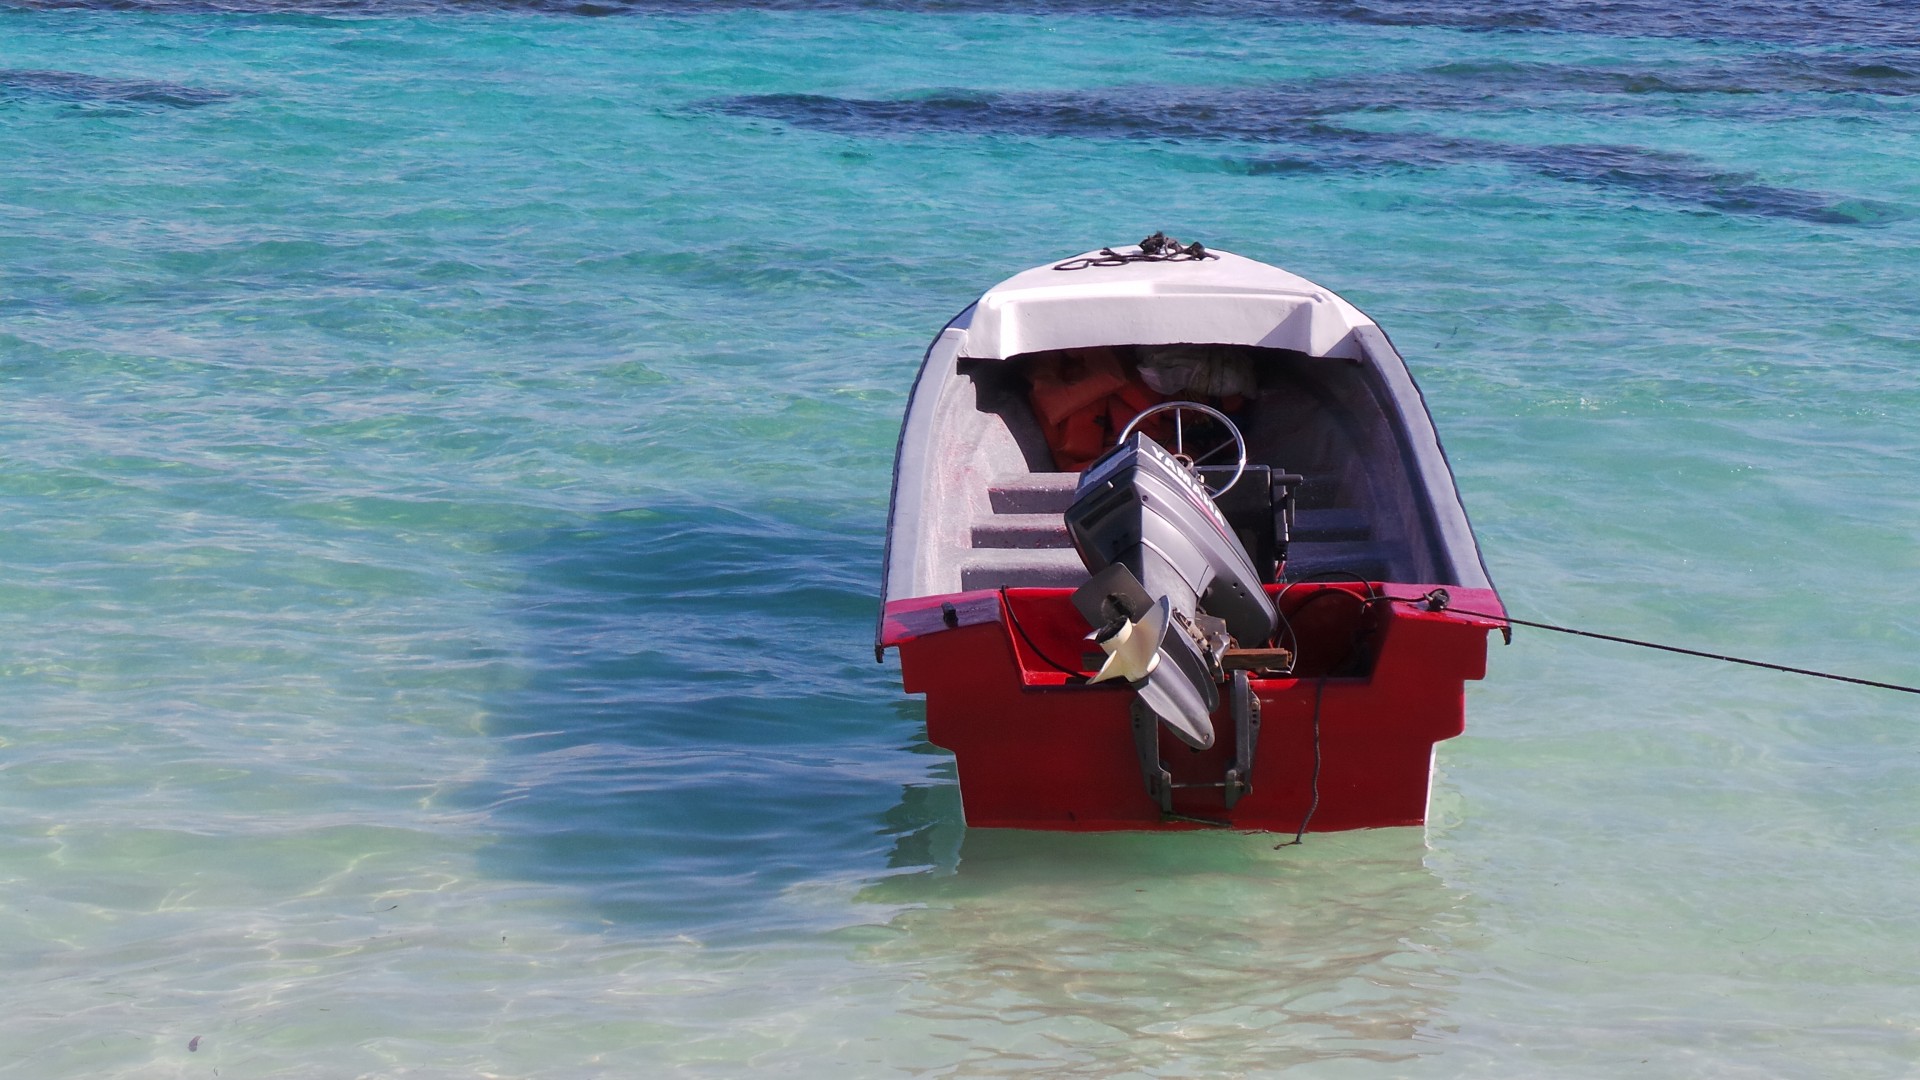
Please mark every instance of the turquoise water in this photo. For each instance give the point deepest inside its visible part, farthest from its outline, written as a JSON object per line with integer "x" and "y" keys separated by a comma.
{"x": 444, "y": 459}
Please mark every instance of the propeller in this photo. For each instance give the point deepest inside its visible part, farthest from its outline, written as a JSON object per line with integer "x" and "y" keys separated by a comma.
{"x": 1133, "y": 647}
{"x": 1164, "y": 669}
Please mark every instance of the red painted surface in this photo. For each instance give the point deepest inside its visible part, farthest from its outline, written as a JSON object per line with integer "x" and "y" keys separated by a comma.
{"x": 1034, "y": 752}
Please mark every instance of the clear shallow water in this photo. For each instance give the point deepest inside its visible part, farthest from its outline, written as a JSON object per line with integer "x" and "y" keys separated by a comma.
{"x": 425, "y": 657}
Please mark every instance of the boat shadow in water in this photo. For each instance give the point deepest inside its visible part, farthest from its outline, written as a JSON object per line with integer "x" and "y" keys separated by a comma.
{"x": 697, "y": 742}
{"x": 1177, "y": 951}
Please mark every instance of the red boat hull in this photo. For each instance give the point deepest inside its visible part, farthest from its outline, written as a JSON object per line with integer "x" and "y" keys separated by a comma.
{"x": 1345, "y": 743}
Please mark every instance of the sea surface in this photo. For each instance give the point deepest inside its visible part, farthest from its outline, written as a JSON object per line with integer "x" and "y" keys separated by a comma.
{"x": 444, "y": 459}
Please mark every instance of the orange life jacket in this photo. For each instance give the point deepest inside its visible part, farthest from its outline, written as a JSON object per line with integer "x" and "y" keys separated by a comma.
{"x": 1082, "y": 398}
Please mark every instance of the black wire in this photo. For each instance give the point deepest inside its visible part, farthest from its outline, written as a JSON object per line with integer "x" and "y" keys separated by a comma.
{"x": 1322, "y": 576}
{"x": 1671, "y": 648}
{"x": 1007, "y": 602}
{"x": 1363, "y": 600}
{"x": 1286, "y": 627}
{"x": 1373, "y": 596}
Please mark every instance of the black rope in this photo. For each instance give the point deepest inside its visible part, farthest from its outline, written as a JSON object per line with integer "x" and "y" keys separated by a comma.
{"x": 1315, "y": 803}
{"x": 1439, "y": 603}
{"x": 1156, "y": 248}
{"x": 1437, "y": 600}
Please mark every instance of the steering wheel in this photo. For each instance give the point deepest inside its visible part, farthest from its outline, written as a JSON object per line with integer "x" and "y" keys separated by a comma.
{"x": 1178, "y": 408}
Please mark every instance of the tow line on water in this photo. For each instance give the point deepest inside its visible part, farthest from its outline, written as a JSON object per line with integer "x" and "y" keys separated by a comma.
{"x": 1437, "y": 600}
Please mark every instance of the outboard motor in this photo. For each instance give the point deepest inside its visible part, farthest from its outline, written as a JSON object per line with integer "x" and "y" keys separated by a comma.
{"x": 1173, "y": 588}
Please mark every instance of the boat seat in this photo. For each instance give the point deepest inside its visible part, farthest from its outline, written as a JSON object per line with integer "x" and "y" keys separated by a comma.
{"x": 1022, "y": 568}
{"x": 1025, "y": 512}
{"x": 1033, "y": 493}
{"x": 1021, "y": 531}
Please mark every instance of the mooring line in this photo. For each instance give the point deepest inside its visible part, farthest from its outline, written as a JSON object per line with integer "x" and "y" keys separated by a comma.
{"x": 1428, "y": 601}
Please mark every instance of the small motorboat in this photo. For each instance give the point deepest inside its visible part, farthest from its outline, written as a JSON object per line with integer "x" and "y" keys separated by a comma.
{"x": 1173, "y": 543}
